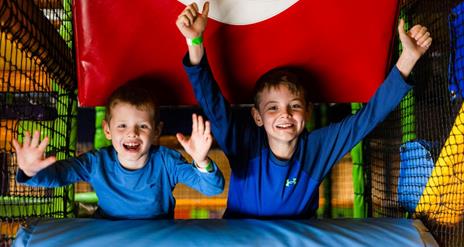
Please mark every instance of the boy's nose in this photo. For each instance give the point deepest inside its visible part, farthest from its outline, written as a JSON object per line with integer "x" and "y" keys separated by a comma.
{"x": 287, "y": 111}
{"x": 134, "y": 131}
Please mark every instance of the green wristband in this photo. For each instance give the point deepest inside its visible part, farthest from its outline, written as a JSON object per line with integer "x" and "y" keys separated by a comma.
{"x": 208, "y": 168}
{"x": 195, "y": 41}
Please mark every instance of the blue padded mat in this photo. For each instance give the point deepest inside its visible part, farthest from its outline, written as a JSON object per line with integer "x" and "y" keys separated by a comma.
{"x": 335, "y": 232}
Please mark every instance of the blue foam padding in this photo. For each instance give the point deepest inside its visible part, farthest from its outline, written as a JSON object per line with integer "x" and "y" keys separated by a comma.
{"x": 416, "y": 166}
{"x": 240, "y": 232}
{"x": 456, "y": 66}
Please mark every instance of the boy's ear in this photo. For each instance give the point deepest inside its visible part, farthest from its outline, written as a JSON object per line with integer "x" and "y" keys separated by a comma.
{"x": 106, "y": 129}
{"x": 257, "y": 116}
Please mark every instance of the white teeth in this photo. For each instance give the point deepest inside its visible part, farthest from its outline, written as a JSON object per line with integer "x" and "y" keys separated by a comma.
{"x": 284, "y": 125}
{"x": 131, "y": 144}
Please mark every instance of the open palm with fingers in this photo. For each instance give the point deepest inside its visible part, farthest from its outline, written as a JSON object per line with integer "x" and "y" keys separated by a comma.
{"x": 200, "y": 141}
{"x": 30, "y": 155}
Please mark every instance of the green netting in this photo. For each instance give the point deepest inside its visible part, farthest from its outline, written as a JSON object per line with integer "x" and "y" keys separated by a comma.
{"x": 37, "y": 92}
{"x": 414, "y": 160}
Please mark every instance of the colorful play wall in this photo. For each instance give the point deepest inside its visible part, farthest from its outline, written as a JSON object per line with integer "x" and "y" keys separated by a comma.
{"x": 414, "y": 160}
{"x": 37, "y": 93}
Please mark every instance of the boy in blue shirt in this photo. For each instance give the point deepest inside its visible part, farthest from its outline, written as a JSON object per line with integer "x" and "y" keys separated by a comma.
{"x": 132, "y": 178}
{"x": 277, "y": 165}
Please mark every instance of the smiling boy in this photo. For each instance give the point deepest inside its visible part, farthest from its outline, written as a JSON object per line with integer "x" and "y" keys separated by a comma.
{"x": 132, "y": 178}
{"x": 277, "y": 165}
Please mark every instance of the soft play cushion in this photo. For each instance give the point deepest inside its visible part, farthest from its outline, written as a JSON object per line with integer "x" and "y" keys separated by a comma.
{"x": 344, "y": 45}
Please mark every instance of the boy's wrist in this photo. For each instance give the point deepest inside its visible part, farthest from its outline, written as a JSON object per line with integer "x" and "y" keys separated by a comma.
{"x": 205, "y": 165}
{"x": 27, "y": 173}
{"x": 194, "y": 41}
{"x": 406, "y": 63}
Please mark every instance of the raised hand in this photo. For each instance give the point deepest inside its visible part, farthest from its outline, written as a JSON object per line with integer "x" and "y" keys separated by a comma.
{"x": 30, "y": 155}
{"x": 415, "y": 43}
{"x": 199, "y": 143}
{"x": 191, "y": 23}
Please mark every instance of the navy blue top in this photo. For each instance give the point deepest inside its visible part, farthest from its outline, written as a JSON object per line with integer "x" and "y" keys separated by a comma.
{"x": 145, "y": 193}
{"x": 262, "y": 186}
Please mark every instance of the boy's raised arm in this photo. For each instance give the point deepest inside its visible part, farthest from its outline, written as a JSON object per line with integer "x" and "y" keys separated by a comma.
{"x": 192, "y": 24}
{"x": 415, "y": 43}
{"x": 30, "y": 155}
{"x": 199, "y": 143}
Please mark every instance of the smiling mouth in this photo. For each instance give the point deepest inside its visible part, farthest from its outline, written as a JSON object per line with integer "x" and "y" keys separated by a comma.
{"x": 284, "y": 126}
{"x": 131, "y": 146}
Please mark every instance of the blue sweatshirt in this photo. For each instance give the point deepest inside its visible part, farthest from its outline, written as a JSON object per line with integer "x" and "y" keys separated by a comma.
{"x": 262, "y": 186}
{"x": 145, "y": 193}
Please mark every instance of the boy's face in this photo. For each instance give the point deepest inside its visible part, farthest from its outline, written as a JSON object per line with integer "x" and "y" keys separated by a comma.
{"x": 282, "y": 113}
{"x": 132, "y": 132}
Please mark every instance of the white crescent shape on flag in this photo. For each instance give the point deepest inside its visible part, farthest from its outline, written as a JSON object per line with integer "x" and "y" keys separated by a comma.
{"x": 243, "y": 12}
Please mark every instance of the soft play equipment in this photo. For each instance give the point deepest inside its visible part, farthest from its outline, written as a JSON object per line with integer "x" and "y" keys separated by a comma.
{"x": 344, "y": 46}
{"x": 37, "y": 92}
{"x": 339, "y": 232}
{"x": 434, "y": 189}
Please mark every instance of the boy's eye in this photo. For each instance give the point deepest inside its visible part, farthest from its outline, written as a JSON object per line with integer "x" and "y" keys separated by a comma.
{"x": 121, "y": 126}
{"x": 272, "y": 108}
{"x": 296, "y": 106}
{"x": 144, "y": 126}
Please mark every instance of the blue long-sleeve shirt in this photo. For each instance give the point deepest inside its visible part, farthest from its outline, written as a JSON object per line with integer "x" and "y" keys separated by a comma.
{"x": 262, "y": 186}
{"x": 145, "y": 193}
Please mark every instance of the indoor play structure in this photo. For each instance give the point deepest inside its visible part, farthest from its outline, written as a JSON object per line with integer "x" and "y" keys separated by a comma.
{"x": 405, "y": 180}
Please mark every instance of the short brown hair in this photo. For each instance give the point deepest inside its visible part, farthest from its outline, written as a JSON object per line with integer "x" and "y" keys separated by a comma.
{"x": 292, "y": 77}
{"x": 134, "y": 94}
